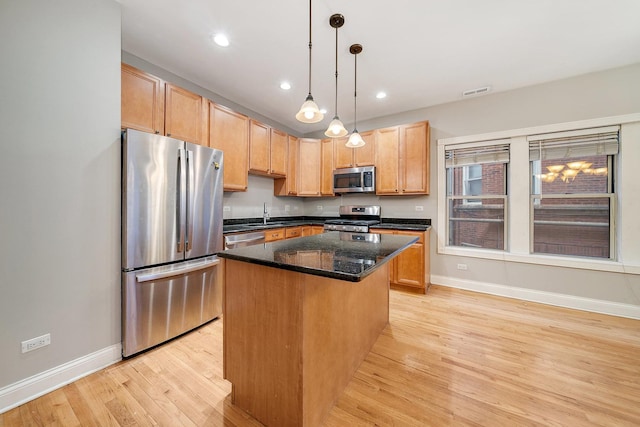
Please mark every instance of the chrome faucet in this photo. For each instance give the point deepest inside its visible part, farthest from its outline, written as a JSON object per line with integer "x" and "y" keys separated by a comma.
{"x": 265, "y": 214}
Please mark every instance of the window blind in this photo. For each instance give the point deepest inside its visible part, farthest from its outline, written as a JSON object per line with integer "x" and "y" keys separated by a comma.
{"x": 582, "y": 143}
{"x": 477, "y": 155}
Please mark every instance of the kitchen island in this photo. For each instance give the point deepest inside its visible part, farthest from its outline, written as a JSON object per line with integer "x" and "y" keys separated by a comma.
{"x": 299, "y": 317}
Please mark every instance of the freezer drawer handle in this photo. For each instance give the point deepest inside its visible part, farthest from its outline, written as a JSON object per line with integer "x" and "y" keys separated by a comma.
{"x": 188, "y": 269}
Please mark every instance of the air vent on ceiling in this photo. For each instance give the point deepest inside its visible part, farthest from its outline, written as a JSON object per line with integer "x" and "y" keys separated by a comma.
{"x": 477, "y": 91}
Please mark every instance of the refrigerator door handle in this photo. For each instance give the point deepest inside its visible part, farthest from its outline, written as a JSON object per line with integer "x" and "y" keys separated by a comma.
{"x": 189, "y": 200}
{"x": 180, "y": 200}
{"x": 140, "y": 278}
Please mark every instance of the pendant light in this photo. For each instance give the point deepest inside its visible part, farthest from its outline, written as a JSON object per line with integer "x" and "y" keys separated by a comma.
{"x": 355, "y": 140}
{"x": 336, "y": 128}
{"x": 309, "y": 112}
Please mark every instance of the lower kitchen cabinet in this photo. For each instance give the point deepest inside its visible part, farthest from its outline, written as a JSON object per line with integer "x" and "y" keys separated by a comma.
{"x": 291, "y": 232}
{"x": 274, "y": 234}
{"x": 410, "y": 270}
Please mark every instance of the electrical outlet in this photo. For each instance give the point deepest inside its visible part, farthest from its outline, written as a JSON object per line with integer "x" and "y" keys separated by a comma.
{"x": 227, "y": 209}
{"x": 462, "y": 266}
{"x": 319, "y": 207}
{"x": 419, "y": 208}
{"x": 287, "y": 208}
{"x": 35, "y": 343}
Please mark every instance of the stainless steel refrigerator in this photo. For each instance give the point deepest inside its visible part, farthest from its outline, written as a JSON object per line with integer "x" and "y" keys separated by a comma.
{"x": 171, "y": 229}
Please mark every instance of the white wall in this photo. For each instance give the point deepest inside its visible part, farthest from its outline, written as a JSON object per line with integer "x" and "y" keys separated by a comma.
{"x": 250, "y": 203}
{"x": 59, "y": 183}
{"x": 603, "y": 94}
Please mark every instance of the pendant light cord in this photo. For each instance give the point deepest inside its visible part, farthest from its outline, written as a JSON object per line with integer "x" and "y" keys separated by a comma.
{"x": 355, "y": 94}
{"x": 310, "y": 48}
{"x": 336, "y": 103}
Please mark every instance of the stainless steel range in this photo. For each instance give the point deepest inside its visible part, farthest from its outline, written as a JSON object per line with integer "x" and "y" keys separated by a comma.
{"x": 356, "y": 219}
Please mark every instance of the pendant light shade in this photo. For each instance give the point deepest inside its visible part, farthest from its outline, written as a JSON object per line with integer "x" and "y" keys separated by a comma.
{"x": 336, "y": 128}
{"x": 355, "y": 140}
{"x": 309, "y": 112}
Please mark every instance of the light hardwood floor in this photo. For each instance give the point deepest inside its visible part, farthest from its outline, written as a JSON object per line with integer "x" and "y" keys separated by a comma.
{"x": 449, "y": 357}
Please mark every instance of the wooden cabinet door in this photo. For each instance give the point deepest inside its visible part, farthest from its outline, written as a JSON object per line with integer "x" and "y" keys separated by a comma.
{"x": 410, "y": 269}
{"x": 309, "y": 166}
{"x": 410, "y": 263}
{"x": 414, "y": 158}
{"x": 278, "y": 154}
{"x": 392, "y": 263}
{"x": 142, "y": 100}
{"x": 317, "y": 229}
{"x": 291, "y": 232}
{"x": 229, "y": 132}
{"x": 185, "y": 116}
{"x": 387, "y": 143}
{"x": 259, "y": 156}
{"x": 289, "y": 186}
{"x": 274, "y": 234}
{"x": 342, "y": 155}
{"x": 326, "y": 173}
{"x": 365, "y": 156}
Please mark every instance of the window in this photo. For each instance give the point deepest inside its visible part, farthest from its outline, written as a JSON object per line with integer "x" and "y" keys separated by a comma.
{"x": 472, "y": 182}
{"x": 477, "y": 195}
{"x": 572, "y": 192}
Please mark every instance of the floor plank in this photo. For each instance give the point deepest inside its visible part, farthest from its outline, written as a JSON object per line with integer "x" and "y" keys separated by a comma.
{"x": 449, "y": 357}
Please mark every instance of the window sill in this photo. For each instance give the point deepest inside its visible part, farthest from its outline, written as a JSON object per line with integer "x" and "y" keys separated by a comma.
{"x": 554, "y": 261}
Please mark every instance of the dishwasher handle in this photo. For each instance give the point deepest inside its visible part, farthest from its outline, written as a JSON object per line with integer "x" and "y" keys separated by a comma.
{"x": 247, "y": 239}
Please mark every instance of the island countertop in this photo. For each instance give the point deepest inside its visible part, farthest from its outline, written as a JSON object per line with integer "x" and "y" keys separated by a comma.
{"x": 338, "y": 255}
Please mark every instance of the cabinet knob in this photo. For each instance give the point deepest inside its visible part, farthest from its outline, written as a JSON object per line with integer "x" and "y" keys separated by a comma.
{"x": 157, "y": 132}
{"x": 168, "y": 134}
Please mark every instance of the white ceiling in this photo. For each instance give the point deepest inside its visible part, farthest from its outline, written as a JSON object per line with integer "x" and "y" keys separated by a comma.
{"x": 421, "y": 52}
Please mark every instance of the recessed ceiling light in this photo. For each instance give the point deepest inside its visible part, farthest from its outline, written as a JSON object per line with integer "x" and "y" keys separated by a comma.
{"x": 381, "y": 95}
{"x": 285, "y": 86}
{"x": 221, "y": 40}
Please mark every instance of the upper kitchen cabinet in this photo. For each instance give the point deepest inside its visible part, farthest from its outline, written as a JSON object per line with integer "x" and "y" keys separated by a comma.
{"x": 142, "y": 100}
{"x": 278, "y": 152}
{"x": 309, "y": 167}
{"x": 289, "y": 186}
{"x": 229, "y": 132}
{"x": 345, "y": 157}
{"x": 267, "y": 150}
{"x": 151, "y": 105}
{"x": 402, "y": 159}
{"x": 185, "y": 115}
{"x": 326, "y": 164}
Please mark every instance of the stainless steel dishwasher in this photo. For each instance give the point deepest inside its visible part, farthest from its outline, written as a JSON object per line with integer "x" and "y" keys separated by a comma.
{"x": 232, "y": 241}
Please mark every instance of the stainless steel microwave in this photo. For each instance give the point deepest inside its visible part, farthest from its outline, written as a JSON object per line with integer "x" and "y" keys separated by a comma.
{"x": 355, "y": 180}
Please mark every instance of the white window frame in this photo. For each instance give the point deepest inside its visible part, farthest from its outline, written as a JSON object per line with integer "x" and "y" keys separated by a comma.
{"x": 477, "y": 200}
{"x": 626, "y": 232}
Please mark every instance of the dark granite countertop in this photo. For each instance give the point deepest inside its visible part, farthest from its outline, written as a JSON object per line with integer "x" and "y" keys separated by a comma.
{"x": 251, "y": 224}
{"x": 401, "y": 226}
{"x": 343, "y": 256}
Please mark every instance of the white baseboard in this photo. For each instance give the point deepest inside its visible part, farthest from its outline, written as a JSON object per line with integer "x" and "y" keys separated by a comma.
{"x": 561, "y": 300}
{"x": 28, "y": 389}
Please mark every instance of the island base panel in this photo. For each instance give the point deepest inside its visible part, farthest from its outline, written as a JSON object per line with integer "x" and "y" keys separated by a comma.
{"x": 292, "y": 341}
